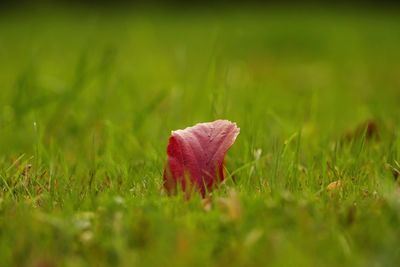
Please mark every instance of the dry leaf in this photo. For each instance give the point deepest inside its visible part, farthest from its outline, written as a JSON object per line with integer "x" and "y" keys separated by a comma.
{"x": 196, "y": 156}
{"x": 369, "y": 129}
{"x": 334, "y": 185}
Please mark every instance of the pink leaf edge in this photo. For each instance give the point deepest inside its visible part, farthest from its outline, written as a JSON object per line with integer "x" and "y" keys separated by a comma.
{"x": 196, "y": 156}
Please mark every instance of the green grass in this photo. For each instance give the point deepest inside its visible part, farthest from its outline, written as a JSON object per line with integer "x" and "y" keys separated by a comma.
{"x": 88, "y": 100}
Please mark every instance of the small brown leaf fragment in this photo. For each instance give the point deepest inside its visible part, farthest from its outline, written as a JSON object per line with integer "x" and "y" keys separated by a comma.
{"x": 371, "y": 130}
{"x": 334, "y": 186}
{"x": 26, "y": 170}
{"x": 368, "y": 129}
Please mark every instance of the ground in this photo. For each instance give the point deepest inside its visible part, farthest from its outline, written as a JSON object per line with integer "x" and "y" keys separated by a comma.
{"x": 88, "y": 99}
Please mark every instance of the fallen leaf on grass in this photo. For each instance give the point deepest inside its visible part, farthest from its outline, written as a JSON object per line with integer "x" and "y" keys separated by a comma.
{"x": 196, "y": 156}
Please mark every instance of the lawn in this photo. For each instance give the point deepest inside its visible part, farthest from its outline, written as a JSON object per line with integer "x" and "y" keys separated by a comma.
{"x": 88, "y": 99}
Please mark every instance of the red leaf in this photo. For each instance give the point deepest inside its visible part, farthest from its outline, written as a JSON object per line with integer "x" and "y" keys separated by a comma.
{"x": 196, "y": 156}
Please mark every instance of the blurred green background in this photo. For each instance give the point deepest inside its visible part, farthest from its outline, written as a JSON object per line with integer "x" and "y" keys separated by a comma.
{"x": 152, "y": 70}
{"x": 90, "y": 93}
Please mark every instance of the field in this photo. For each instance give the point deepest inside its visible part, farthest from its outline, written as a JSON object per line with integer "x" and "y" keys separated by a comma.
{"x": 88, "y": 99}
